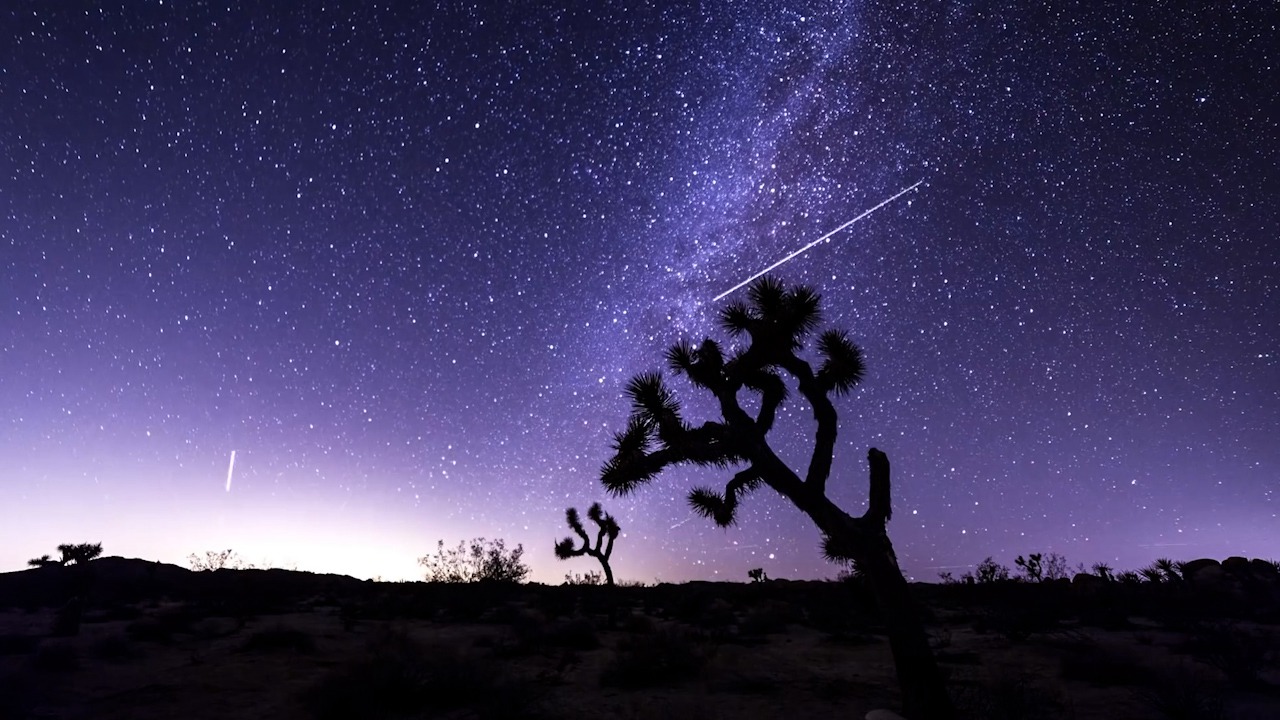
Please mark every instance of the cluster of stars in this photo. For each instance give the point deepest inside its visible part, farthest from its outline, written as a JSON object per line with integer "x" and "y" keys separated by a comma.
{"x": 403, "y": 259}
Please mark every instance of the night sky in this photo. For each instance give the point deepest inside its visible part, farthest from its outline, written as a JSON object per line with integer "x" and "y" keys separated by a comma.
{"x": 402, "y": 260}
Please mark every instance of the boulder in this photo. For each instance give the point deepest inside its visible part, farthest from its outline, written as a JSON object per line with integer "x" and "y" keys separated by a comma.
{"x": 1088, "y": 583}
{"x": 1191, "y": 567}
{"x": 1207, "y": 576}
{"x": 1264, "y": 569}
{"x": 1236, "y": 565}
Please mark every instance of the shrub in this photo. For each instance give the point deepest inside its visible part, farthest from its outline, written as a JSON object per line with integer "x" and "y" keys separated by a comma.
{"x": 1183, "y": 695}
{"x": 1009, "y": 697}
{"x": 11, "y": 644}
{"x": 1102, "y": 666}
{"x": 476, "y": 561}
{"x": 220, "y": 560}
{"x": 1240, "y": 654}
{"x": 668, "y": 656}
{"x": 769, "y": 618}
{"x": 56, "y": 656}
{"x": 149, "y": 629}
{"x": 279, "y": 638}
{"x": 587, "y": 578}
{"x": 989, "y": 571}
{"x": 114, "y": 647}
{"x": 400, "y": 677}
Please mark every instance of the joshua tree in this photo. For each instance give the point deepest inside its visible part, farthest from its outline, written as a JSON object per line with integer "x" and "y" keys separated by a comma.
{"x": 608, "y": 528}
{"x": 758, "y": 575}
{"x": 775, "y": 323}
{"x": 1030, "y": 565}
{"x": 79, "y": 554}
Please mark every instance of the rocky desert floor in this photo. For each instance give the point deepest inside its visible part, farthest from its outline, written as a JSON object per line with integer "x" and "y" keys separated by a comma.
{"x": 766, "y": 659}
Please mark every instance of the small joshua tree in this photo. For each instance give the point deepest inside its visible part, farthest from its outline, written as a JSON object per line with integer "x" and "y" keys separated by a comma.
{"x": 758, "y": 575}
{"x": 1030, "y": 565}
{"x": 774, "y": 325}
{"x": 608, "y": 529}
{"x": 42, "y": 561}
{"x": 79, "y": 554}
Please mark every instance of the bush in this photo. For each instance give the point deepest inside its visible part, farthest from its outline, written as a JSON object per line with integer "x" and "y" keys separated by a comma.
{"x": 279, "y": 638}
{"x": 56, "y": 656}
{"x": 587, "y": 578}
{"x": 1009, "y": 697}
{"x": 477, "y": 561}
{"x": 1240, "y": 654}
{"x": 1182, "y": 695}
{"x": 400, "y": 677}
{"x": 668, "y": 656}
{"x": 115, "y": 647}
{"x": 221, "y": 560}
{"x": 17, "y": 644}
{"x": 1102, "y": 666}
{"x": 989, "y": 571}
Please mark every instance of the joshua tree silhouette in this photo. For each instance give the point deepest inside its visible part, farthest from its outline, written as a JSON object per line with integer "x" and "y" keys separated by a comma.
{"x": 775, "y": 322}
{"x": 80, "y": 553}
{"x": 608, "y": 529}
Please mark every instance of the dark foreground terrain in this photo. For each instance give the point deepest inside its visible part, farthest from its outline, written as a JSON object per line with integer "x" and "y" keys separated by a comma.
{"x": 147, "y": 640}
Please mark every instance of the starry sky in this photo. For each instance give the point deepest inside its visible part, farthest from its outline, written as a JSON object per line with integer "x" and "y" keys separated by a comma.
{"x": 401, "y": 258}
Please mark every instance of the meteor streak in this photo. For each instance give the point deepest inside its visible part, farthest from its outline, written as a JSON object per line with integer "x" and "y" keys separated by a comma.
{"x": 230, "y": 468}
{"x": 815, "y": 242}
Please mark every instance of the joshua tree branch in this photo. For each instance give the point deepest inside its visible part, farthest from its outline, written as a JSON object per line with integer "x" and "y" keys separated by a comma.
{"x": 824, "y": 412}
{"x": 879, "y": 505}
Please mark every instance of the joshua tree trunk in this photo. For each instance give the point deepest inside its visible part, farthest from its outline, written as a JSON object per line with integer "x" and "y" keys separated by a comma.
{"x": 866, "y": 542}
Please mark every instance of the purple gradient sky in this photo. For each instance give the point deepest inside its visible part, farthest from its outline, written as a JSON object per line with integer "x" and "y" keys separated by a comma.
{"x": 403, "y": 259}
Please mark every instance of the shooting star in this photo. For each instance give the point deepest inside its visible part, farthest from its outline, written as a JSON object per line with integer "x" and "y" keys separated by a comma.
{"x": 673, "y": 527}
{"x": 231, "y": 468}
{"x": 806, "y": 248}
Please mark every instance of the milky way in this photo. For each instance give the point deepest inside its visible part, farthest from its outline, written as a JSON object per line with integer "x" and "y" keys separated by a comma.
{"x": 401, "y": 261}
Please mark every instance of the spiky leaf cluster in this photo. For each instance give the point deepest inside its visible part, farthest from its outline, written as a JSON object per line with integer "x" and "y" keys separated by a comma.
{"x": 775, "y": 320}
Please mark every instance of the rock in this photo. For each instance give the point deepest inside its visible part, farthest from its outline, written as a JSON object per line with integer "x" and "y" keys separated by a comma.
{"x": 1191, "y": 567}
{"x": 1088, "y": 583}
{"x": 1207, "y": 576}
{"x": 1264, "y": 569}
{"x": 1236, "y": 565}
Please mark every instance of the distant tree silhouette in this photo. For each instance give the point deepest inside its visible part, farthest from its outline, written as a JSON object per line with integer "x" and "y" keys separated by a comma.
{"x": 79, "y": 554}
{"x": 775, "y": 322}
{"x": 1030, "y": 566}
{"x": 758, "y": 575}
{"x": 607, "y": 530}
{"x": 42, "y": 561}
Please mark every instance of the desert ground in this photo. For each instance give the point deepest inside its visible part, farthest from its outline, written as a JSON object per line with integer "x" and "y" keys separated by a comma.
{"x": 161, "y": 642}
